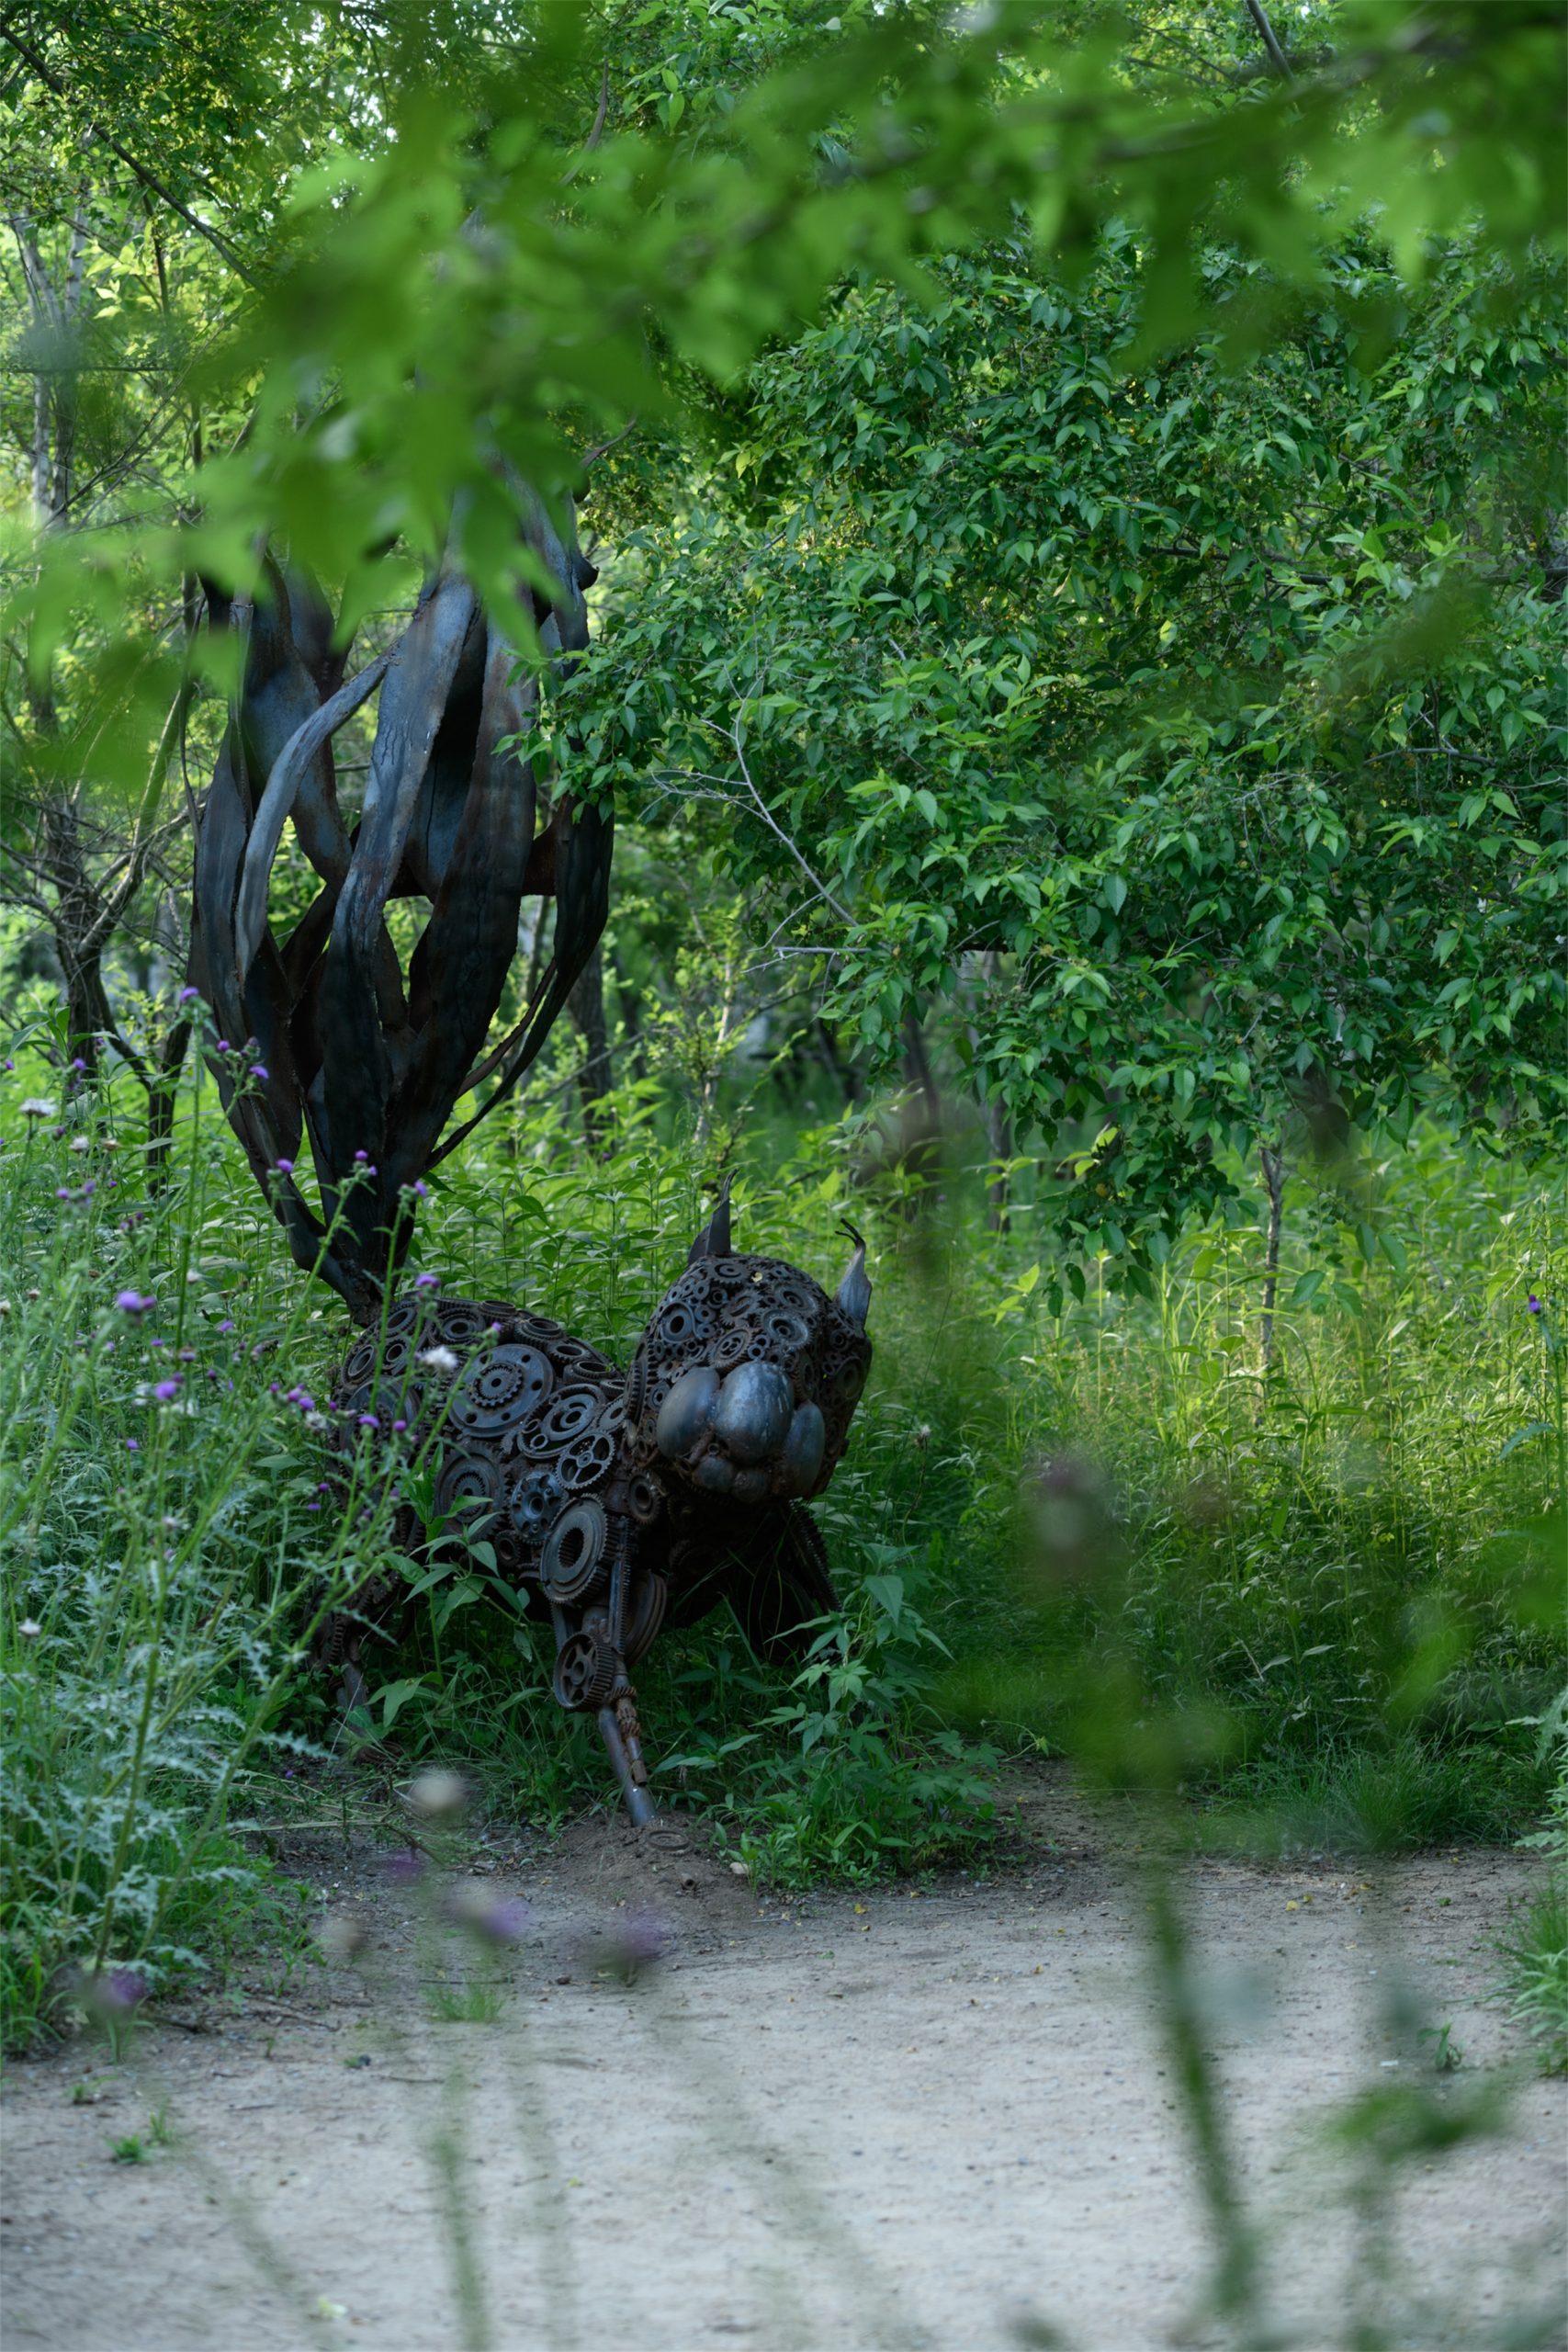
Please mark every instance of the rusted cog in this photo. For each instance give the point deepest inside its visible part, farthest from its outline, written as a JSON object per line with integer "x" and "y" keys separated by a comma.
{"x": 587, "y": 1669}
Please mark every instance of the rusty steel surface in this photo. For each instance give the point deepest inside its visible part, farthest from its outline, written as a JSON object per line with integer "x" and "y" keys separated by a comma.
{"x": 618, "y": 1501}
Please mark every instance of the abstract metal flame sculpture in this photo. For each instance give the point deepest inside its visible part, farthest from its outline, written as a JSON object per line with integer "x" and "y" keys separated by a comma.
{"x": 618, "y": 1498}
{"x": 367, "y": 1061}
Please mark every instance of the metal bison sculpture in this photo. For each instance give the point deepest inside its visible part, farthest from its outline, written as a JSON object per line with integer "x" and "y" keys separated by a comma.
{"x": 625, "y": 1499}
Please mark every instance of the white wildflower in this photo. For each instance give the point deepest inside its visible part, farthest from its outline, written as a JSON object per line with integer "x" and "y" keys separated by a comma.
{"x": 38, "y": 1107}
{"x": 440, "y": 1359}
{"x": 342, "y": 1937}
{"x": 438, "y": 1791}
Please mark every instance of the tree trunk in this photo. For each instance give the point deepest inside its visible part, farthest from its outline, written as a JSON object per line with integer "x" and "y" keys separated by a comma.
{"x": 998, "y": 1141}
{"x": 586, "y": 1004}
{"x": 76, "y": 909}
{"x": 839, "y": 1069}
{"x": 630, "y": 1003}
{"x": 1271, "y": 1157}
{"x": 161, "y": 1095}
{"x": 919, "y": 1148}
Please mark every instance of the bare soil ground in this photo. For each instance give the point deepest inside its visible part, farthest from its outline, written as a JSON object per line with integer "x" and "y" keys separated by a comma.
{"x": 941, "y": 2117}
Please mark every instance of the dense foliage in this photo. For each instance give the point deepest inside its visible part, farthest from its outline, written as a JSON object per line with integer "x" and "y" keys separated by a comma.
{"x": 1194, "y": 733}
{"x": 1076, "y": 496}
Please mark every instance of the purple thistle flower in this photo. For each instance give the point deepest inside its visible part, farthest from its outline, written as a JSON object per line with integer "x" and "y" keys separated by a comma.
{"x": 499, "y": 1919}
{"x": 156, "y": 1343}
{"x": 506, "y": 1921}
{"x": 225, "y": 1326}
{"x": 77, "y": 1063}
{"x": 134, "y": 1302}
{"x": 403, "y": 1867}
{"x": 165, "y": 1391}
{"x": 186, "y": 995}
{"x": 285, "y": 1166}
{"x": 368, "y": 1421}
{"x": 1533, "y": 1306}
{"x": 361, "y": 1159}
{"x": 427, "y": 1281}
{"x": 221, "y": 1046}
{"x": 260, "y": 1069}
{"x": 116, "y": 1993}
{"x": 133, "y": 1445}
{"x": 634, "y": 1945}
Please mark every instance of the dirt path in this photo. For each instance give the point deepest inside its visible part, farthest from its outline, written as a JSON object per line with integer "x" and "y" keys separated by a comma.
{"x": 936, "y": 2119}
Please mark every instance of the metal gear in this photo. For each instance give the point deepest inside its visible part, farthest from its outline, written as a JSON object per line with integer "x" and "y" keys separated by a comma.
{"x": 586, "y": 1671}
{"x": 534, "y": 1502}
{"x": 682, "y": 1325}
{"x": 642, "y": 1499}
{"x": 468, "y": 1478}
{"x": 460, "y": 1323}
{"x": 568, "y": 1414}
{"x": 573, "y": 1560}
{"x": 646, "y": 1615}
{"x": 501, "y": 1391}
{"x": 588, "y": 1460}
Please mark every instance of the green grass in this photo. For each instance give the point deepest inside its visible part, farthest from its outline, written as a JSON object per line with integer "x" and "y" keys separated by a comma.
{"x": 1378, "y": 1799}
{"x": 1535, "y": 1948}
{"x": 1313, "y": 1605}
{"x": 475, "y": 2003}
{"x": 1536, "y": 1951}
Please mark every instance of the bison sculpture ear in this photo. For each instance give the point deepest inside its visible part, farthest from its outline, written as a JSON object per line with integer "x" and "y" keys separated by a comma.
{"x": 712, "y": 1241}
{"x": 853, "y": 1292}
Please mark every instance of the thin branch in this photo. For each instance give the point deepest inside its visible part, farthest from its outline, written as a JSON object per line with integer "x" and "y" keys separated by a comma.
{"x": 1265, "y": 33}
{"x": 590, "y": 456}
{"x": 766, "y": 814}
{"x": 597, "y": 132}
{"x": 215, "y": 237}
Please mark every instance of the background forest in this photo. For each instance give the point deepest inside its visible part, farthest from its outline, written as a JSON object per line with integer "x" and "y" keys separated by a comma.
{"x": 1078, "y": 509}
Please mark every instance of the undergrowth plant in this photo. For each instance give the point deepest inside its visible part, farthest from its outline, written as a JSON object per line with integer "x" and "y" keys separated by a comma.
{"x": 1325, "y": 1569}
{"x": 1536, "y": 1945}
